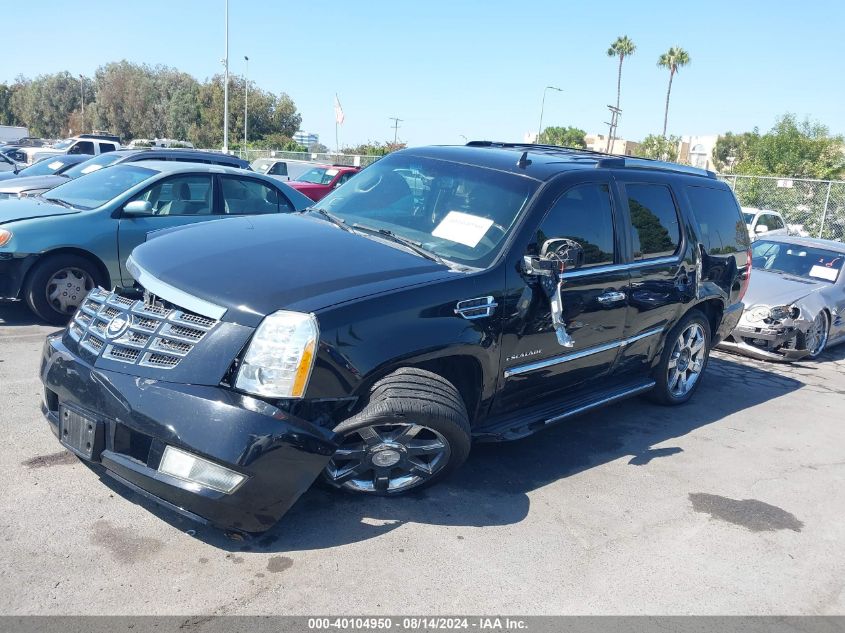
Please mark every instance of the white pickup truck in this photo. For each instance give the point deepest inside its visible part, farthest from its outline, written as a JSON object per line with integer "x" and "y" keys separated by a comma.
{"x": 75, "y": 145}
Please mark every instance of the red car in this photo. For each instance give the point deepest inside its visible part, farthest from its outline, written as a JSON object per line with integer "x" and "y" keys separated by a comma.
{"x": 320, "y": 180}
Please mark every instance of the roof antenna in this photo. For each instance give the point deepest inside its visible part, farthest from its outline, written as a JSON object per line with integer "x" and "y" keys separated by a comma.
{"x": 523, "y": 160}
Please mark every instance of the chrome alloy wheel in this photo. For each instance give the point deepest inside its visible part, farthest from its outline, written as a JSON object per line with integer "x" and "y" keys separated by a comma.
{"x": 816, "y": 337}
{"x": 67, "y": 288}
{"x": 686, "y": 361}
{"x": 388, "y": 458}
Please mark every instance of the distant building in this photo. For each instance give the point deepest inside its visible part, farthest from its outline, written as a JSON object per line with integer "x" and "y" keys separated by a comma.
{"x": 619, "y": 146}
{"x": 698, "y": 151}
{"x": 306, "y": 139}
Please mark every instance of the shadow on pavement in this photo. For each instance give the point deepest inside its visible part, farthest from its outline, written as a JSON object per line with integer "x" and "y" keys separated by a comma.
{"x": 492, "y": 487}
{"x": 18, "y": 314}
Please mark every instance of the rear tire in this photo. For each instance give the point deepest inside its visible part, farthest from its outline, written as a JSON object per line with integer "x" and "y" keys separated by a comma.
{"x": 413, "y": 431}
{"x": 57, "y": 285}
{"x": 683, "y": 361}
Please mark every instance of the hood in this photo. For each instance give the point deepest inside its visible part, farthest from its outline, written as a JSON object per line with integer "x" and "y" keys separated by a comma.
{"x": 26, "y": 208}
{"x": 7, "y": 175}
{"x": 255, "y": 266}
{"x": 775, "y": 289}
{"x": 28, "y": 183}
{"x": 305, "y": 185}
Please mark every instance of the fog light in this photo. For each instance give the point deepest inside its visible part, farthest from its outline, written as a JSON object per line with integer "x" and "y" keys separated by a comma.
{"x": 182, "y": 465}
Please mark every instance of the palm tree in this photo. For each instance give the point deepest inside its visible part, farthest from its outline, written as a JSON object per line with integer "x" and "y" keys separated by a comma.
{"x": 622, "y": 47}
{"x": 673, "y": 59}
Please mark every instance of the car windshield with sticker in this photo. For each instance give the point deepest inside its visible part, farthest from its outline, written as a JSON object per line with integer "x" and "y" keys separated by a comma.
{"x": 462, "y": 213}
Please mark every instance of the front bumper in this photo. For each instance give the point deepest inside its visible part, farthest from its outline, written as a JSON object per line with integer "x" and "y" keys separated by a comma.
{"x": 773, "y": 342}
{"x": 280, "y": 454}
{"x": 13, "y": 270}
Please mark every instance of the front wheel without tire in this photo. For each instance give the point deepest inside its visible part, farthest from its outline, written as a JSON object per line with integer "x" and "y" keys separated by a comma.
{"x": 683, "y": 360}
{"x": 412, "y": 432}
{"x": 57, "y": 285}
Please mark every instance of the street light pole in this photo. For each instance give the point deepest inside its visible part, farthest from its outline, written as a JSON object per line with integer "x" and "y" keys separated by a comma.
{"x": 542, "y": 107}
{"x": 246, "y": 104}
{"x": 226, "y": 86}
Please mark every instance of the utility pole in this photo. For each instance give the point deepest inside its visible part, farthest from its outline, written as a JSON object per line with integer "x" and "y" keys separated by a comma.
{"x": 543, "y": 107}
{"x": 82, "y": 91}
{"x": 612, "y": 125}
{"x": 246, "y": 104}
{"x": 396, "y": 121}
{"x": 226, "y": 87}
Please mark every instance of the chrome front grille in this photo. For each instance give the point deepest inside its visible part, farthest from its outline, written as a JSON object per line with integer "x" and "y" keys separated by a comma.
{"x": 152, "y": 335}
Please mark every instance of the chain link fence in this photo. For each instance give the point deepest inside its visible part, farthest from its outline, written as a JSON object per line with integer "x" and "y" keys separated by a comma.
{"x": 814, "y": 208}
{"x": 352, "y": 160}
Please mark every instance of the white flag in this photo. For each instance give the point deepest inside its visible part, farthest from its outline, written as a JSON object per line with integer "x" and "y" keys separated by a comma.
{"x": 338, "y": 111}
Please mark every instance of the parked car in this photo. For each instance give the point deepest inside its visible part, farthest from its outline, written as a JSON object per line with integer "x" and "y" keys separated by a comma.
{"x": 796, "y": 300}
{"x": 763, "y": 222}
{"x": 38, "y": 177}
{"x": 46, "y": 167}
{"x": 318, "y": 181}
{"x": 55, "y": 248}
{"x": 75, "y": 145}
{"x": 86, "y": 165}
{"x": 371, "y": 338}
{"x": 281, "y": 168}
{"x": 7, "y": 164}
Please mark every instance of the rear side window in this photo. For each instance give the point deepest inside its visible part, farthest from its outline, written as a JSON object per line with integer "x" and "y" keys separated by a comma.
{"x": 279, "y": 169}
{"x": 722, "y": 227}
{"x": 654, "y": 218}
{"x": 244, "y": 196}
{"x": 82, "y": 147}
{"x": 106, "y": 147}
{"x": 583, "y": 214}
{"x": 771, "y": 221}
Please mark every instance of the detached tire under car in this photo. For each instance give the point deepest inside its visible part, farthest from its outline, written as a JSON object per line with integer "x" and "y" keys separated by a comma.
{"x": 413, "y": 431}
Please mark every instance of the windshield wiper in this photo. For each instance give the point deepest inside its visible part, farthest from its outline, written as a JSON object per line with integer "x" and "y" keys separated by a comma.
{"x": 330, "y": 217}
{"x": 59, "y": 202}
{"x": 415, "y": 246}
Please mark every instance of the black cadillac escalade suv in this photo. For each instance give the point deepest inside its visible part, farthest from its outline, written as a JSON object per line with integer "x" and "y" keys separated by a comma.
{"x": 443, "y": 295}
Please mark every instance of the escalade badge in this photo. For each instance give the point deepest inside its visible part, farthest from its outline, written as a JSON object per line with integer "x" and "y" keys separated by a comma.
{"x": 533, "y": 352}
{"x": 117, "y": 326}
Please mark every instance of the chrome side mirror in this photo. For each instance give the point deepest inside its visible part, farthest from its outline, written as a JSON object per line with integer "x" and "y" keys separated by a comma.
{"x": 138, "y": 208}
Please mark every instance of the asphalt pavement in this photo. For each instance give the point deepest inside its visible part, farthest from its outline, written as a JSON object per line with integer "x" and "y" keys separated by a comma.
{"x": 731, "y": 504}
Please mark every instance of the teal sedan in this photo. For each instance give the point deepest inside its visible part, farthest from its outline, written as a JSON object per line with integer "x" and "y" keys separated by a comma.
{"x": 56, "y": 247}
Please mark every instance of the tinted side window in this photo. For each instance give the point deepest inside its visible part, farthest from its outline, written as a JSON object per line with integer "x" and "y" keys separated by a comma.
{"x": 774, "y": 223}
{"x": 656, "y": 229}
{"x": 722, "y": 227}
{"x": 82, "y": 147}
{"x": 251, "y": 197}
{"x": 584, "y": 214}
{"x": 106, "y": 147}
{"x": 279, "y": 169}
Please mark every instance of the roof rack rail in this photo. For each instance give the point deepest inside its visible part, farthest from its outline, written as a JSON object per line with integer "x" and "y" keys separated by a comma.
{"x": 603, "y": 158}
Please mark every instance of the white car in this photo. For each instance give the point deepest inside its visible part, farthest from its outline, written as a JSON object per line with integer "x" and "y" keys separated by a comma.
{"x": 763, "y": 222}
{"x": 75, "y": 145}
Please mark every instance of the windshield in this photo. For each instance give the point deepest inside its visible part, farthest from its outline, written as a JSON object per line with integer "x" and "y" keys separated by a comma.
{"x": 748, "y": 217}
{"x": 92, "y": 164}
{"x": 64, "y": 144}
{"x": 459, "y": 212}
{"x": 44, "y": 167}
{"x": 262, "y": 165}
{"x": 99, "y": 187}
{"x": 795, "y": 259}
{"x": 318, "y": 175}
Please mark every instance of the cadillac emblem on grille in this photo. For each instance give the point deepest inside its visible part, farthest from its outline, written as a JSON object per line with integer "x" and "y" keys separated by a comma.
{"x": 118, "y": 326}
{"x": 149, "y": 332}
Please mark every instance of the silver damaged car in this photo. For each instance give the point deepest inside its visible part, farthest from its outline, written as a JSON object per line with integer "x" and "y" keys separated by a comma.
{"x": 795, "y": 304}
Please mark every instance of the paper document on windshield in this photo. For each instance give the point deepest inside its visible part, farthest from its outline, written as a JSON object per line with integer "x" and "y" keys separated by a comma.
{"x": 462, "y": 228}
{"x": 823, "y": 272}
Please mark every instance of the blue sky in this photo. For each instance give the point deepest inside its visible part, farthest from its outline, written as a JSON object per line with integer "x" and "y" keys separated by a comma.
{"x": 478, "y": 69}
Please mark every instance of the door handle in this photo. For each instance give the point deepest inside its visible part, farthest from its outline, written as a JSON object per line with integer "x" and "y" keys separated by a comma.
{"x": 614, "y": 296}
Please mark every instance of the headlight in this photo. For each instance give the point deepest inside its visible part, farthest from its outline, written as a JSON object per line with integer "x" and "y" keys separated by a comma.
{"x": 279, "y": 359}
{"x": 779, "y": 313}
{"x": 5, "y": 237}
{"x": 757, "y": 313}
